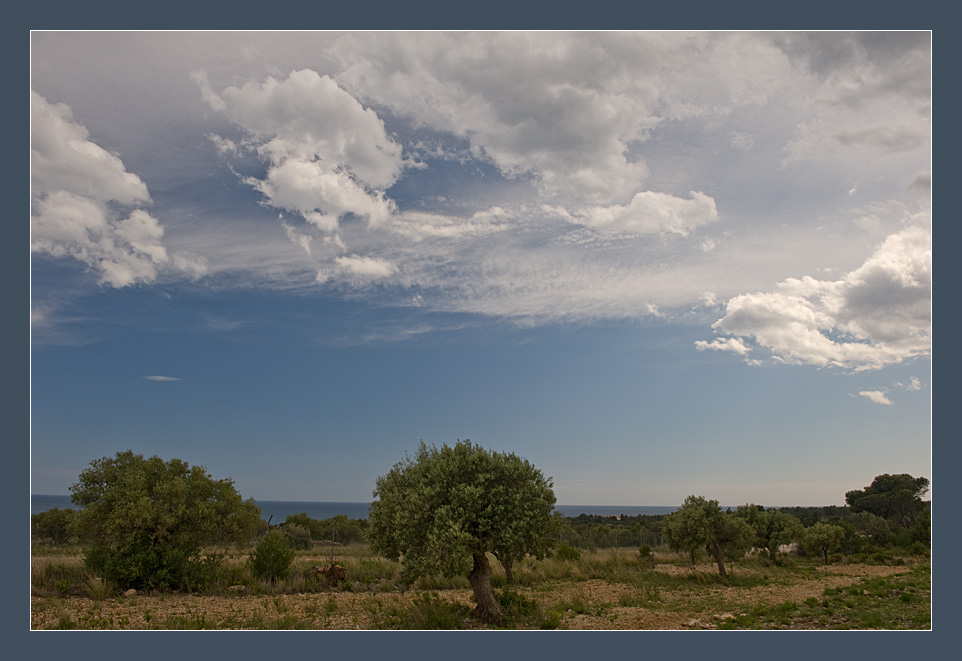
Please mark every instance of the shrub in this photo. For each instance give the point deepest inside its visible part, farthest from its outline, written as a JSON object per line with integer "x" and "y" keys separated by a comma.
{"x": 567, "y": 552}
{"x": 298, "y": 537}
{"x": 53, "y": 526}
{"x": 273, "y": 557}
{"x": 148, "y": 519}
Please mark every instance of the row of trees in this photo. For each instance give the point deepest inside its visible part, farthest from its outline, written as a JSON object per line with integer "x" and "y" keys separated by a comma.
{"x": 145, "y": 522}
{"x": 888, "y": 509}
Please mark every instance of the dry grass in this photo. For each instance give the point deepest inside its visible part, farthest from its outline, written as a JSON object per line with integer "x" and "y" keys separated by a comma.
{"x": 604, "y": 589}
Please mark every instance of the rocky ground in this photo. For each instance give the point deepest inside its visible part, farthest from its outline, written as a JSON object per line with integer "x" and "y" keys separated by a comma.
{"x": 596, "y": 605}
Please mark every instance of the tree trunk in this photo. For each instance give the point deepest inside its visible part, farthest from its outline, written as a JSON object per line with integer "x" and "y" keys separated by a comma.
{"x": 719, "y": 554}
{"x": 487, "y": 609}
{"x": 825, "y": 551}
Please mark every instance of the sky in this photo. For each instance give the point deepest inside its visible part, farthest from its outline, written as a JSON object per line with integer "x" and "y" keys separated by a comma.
{"x": 654, "y": 264}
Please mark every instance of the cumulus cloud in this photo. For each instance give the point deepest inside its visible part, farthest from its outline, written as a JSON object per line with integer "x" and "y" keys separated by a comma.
{"x": 732, "y": 344}
{"x": 327, "y": 155}
{"x": 570, "y": 111}
{"x": 650, "y": 212}
{"x": 876, "y": 396}
{"x": 80, "y": 192}
{"x": 877, "y": 315}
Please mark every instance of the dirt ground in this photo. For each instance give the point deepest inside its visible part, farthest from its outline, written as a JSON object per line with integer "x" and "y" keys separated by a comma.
{"x": 349, "y": 610}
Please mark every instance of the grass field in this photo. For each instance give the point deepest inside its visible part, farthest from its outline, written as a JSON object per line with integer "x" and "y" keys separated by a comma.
{"x": 603, "y": 589}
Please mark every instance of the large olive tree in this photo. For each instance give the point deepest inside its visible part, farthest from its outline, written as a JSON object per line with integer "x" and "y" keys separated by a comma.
{"x": 146, "y": 520}
{"x": 441, "y": 511}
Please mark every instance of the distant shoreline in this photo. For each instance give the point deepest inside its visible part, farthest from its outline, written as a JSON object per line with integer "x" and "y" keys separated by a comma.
{"x": 278, "y": 510}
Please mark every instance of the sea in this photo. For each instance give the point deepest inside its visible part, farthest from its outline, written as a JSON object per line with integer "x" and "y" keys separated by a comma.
{"x": 276, "y": 511}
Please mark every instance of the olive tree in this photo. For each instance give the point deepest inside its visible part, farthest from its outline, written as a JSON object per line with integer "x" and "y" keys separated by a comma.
{"x": 441, "y": 511}
{"x": 702, "y": 523}
{"x": 822, "y": 538}
{"x": 147, "y": 519}
{"x": 772, "y": 528}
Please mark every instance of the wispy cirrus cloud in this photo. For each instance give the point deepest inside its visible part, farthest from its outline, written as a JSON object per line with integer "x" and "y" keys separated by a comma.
{"x": 162, "y": 378}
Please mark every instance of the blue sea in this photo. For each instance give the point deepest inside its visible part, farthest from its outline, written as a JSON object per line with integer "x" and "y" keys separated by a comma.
{"x": 277, "y": 510}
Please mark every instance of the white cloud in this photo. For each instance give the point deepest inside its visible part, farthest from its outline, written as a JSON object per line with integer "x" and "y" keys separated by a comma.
{"x": 78, "y": 188}
{"x": 366, "y": 269}
{"x": 878, "y": 314}
{"x": 327, "y": 155}
{"x": 63, "y": 159}
{"x": 650, "y": 213}
{"x": 876, "y": 396}
{"x": 163, "y": 378}
{"x": 914, "y": 384}
{"x": 732, "y": 344}
{"x": 565, "y": 109}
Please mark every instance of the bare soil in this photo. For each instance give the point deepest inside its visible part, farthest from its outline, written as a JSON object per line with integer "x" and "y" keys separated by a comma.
{"x": 701, "y": 606}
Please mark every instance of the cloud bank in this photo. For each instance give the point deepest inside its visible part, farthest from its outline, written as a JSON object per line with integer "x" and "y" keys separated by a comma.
{"x": 877, "y": 315}
{"x": 81, "y": 205}
{"x": 536, "y": 177}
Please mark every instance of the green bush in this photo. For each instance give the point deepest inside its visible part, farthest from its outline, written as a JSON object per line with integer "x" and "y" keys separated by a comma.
{"x": 147, "y": 520}
{"x": 298, "y": 537}
{"x": 566, "y": 552}
{"x": 273, "y": 557}
{"x": 53, "y": 526}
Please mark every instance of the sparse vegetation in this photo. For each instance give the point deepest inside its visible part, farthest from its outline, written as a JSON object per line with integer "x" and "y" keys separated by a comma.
{"x": 601, "y": 589}
{"x": 851, "y": 571}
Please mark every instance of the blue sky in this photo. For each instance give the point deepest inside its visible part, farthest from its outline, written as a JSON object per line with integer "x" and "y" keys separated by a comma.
{"x": 654, "y": 264}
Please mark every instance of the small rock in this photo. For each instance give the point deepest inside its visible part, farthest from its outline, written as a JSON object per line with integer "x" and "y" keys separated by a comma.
{"x": 130, "y": 593}
{"x": 237, "y": 588}
{"x": 726, "y": 616}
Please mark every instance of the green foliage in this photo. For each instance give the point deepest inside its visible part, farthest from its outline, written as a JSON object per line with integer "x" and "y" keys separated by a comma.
{"x": 822, "y": 538}
{"x": 147, "y": 519}
{"x": 53, "y": 526}
{"x": 879, "y": 530}
{"x": 273, "y": 557}
{"x": 443, "y": 506}
{"x": 342, "y": 529}
{"x": 567, "y": 552}
{"x": 297, "y": 536}
{"x": 442, "y": 511}
{"x": 701, "y": 523}
{"x": 772, "y": 528}
{"x": 894, "y": 497}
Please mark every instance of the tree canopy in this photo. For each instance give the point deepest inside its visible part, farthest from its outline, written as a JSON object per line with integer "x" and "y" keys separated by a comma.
{"x": 822, "y": 538}
{"x": 441, "y": 511}
{"x": 702, "y": 523}
{"x": 147, "y": 519}
{"x": 894, "y": 497}
{"x": 772, "y": 528}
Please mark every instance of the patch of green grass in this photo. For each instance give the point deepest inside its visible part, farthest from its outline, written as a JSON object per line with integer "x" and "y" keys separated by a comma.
{"x": 896, "y": 602}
